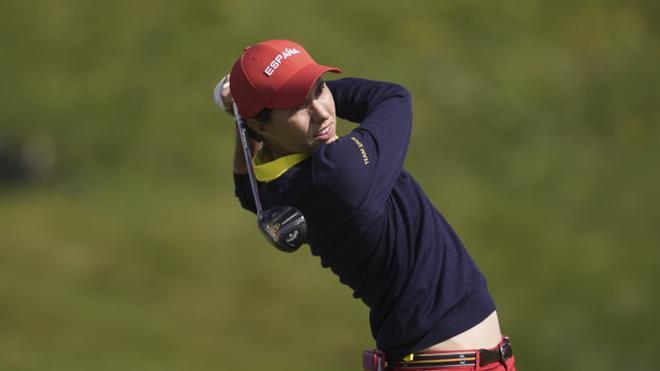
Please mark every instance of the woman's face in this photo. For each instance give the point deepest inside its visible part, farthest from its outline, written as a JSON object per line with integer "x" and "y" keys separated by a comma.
{"x": 303, "y": 128}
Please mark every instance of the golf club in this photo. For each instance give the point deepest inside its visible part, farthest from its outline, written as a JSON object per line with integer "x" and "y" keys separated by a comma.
{"x": 284, "y": 227}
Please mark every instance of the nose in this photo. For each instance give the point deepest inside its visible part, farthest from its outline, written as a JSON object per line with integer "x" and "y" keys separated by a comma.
{"x": 317, "y": 111}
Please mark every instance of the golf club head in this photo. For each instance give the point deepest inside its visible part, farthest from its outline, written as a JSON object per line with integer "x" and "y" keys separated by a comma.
{"x": 284, "y": 227}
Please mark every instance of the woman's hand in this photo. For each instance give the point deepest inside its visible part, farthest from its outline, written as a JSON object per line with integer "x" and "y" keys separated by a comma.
{"x": 222, "y": 96}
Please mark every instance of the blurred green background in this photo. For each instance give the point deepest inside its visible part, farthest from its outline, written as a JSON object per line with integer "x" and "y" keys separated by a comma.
{"x": 537, "y": 134}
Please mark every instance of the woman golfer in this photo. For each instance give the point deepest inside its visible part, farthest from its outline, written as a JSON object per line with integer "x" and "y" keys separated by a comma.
{"x": 368, "y": 220}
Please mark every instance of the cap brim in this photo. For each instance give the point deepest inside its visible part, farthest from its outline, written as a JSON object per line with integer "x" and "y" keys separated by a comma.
{"x": 295, "y": 91}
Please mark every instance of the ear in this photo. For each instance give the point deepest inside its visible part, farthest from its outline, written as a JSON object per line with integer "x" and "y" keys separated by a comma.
{"x": 257, "y": 126}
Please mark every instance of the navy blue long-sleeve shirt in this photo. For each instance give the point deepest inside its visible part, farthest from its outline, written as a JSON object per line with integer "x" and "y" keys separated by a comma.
{"x": 370, "y": 222}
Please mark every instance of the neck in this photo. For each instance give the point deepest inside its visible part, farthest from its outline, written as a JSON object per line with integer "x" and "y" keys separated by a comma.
{"x": 274, "y": 154}
{"x": 270, "y": 153}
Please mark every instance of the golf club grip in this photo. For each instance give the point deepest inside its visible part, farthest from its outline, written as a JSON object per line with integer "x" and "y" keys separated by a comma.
{"x": 248, "y": 158}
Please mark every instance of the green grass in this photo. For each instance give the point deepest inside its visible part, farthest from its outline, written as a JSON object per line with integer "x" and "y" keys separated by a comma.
{"x": 536, "y": 134}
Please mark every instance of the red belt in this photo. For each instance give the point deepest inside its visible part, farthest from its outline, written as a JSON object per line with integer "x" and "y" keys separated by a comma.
{"x": 375, "y": 360}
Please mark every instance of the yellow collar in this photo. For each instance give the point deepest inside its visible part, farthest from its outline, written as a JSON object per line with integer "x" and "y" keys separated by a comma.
{"x": 271, "y": 170}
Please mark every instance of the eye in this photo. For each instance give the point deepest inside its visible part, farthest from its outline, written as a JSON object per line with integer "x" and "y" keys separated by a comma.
{"x": 319, "y": 89}
{"x": 298, "y": 108}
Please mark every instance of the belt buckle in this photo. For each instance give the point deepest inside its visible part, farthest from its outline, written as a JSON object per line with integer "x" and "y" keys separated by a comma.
{"x": 505, "y": 350}
{"x": 373, "y": 360}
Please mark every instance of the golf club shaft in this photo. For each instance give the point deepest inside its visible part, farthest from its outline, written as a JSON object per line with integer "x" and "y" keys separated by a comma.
{"x": 248, "y": 158}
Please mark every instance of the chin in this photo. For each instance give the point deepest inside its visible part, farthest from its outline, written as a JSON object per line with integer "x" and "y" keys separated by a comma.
{"x": 320, "y": 141}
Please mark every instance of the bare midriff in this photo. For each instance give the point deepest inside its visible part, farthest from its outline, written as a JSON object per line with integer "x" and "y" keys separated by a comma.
{"x": 484, "y": 335}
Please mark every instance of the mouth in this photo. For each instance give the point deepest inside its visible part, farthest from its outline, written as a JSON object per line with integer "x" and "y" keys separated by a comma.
{"x": 323, "y": 131}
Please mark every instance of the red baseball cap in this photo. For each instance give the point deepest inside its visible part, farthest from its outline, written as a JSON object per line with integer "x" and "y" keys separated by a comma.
{"x": 275, "y": 74}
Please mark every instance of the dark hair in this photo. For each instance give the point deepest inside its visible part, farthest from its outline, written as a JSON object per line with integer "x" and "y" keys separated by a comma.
{"x": 263, "y": 116}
